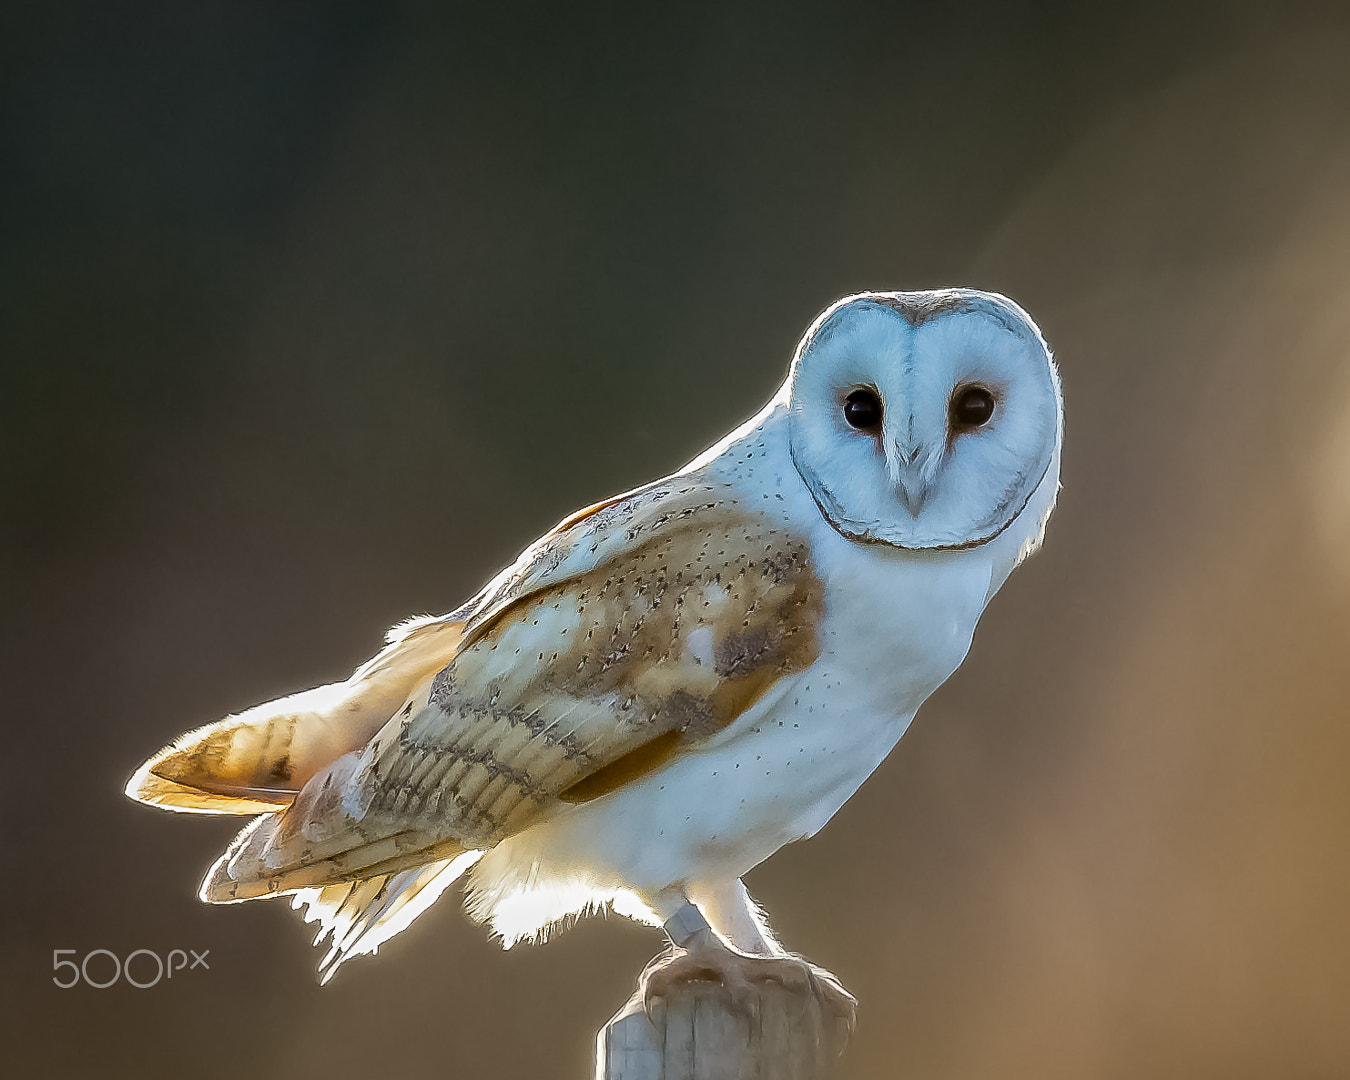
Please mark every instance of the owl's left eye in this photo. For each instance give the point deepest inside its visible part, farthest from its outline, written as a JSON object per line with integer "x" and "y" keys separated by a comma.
{"x": 862, "y": 409}
{"x": 972, "y": 407}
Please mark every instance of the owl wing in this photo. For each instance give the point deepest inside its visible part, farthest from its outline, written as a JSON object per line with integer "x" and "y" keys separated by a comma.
{"x": 259, "y": 760}
{"x": 631, "y": 632}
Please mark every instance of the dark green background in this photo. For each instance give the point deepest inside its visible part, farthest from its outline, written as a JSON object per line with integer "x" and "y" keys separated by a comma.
{"x": 312, "y": 316}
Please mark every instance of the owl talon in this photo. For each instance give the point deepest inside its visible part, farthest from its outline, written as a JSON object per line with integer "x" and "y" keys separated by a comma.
{"x": 837, "y": 1003}
{"x": 707, "y": 959}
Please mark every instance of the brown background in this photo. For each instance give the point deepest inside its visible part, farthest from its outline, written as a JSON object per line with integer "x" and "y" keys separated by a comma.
{"x": 309, "y": 322}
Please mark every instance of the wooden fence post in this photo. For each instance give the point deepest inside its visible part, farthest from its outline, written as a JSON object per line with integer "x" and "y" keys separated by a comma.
{"x": 699, "y": 1035}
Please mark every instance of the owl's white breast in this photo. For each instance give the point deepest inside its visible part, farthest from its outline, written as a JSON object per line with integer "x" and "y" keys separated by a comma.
{"x": 895, "y": 625}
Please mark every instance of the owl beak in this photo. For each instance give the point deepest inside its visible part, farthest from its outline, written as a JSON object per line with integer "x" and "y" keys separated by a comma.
{"x": 913, "y": 488}
{"x": 911, "y": 470}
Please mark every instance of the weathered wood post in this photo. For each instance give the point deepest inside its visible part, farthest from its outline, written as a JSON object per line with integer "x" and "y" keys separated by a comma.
{"x": 699, "y": 1034}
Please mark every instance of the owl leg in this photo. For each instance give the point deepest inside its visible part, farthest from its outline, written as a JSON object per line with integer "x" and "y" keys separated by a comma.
{"x": 734, "y": 917}
{"x": 722, "y": 938}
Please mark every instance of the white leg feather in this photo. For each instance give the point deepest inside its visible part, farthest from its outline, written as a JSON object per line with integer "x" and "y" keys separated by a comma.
{"x": 735, "y": 918}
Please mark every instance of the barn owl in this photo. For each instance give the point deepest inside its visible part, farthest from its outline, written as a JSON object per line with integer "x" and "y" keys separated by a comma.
{"x": 672, "y": 684}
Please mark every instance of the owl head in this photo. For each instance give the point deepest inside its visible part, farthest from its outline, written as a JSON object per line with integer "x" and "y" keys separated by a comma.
{"x": 924, "y": 420}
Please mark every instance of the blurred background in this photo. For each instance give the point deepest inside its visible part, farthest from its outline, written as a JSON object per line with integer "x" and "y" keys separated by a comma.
{"x": 311, "y": 317}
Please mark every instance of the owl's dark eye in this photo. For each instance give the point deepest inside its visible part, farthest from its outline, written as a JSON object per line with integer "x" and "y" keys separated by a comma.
{"x": 972, "y": 407}
{"x": 862, "y": 409}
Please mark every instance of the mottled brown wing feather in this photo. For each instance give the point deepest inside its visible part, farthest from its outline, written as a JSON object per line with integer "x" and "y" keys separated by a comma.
{"x": 259, "y": 760}
{"x": 617, "y": 641}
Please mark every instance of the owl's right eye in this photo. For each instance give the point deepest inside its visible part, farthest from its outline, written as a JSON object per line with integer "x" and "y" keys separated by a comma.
{"x": 862, "y": 409}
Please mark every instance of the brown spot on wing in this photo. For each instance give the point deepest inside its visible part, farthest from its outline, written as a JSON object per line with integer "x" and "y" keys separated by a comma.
{"x": 281, "y": 770}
